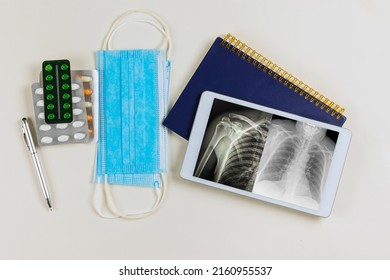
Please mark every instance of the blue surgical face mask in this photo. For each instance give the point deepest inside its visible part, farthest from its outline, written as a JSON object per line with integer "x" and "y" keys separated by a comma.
{"x": 132, "y": 147}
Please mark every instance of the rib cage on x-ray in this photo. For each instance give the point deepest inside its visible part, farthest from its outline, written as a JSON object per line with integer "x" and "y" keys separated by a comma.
{"x": 295, "y": 162}
{"x": 237, "y": 142}
{"x": 243, "y": 158}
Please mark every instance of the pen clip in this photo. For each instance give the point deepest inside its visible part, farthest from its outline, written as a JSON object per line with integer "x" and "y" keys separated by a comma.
{"x": 25, "y": 140}
{"x": 27, "y": 135}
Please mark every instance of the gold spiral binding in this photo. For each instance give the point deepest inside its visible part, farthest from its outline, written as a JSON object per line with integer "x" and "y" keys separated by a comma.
{"x": 258, "y": 60}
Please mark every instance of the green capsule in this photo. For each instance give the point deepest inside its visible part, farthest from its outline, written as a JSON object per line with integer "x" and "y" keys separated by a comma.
{"x": 64, "y": 77}
{"x": 50, "y": 97}
{"x": 65, "y": 86}
{"x": 49, "y": 78}
{"x": 48, "y": 67}
{"x": 50, "y": 106}
{"x": 66, "y": 96}
{"x": 64, "y": 67}
{"x": 49, "y": 87}
{"x": 66, "y": 106}
{"x": 51, "y": 116}
{"x": 67, "y": 115}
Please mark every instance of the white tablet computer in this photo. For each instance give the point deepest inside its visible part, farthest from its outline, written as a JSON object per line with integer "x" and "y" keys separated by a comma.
{"x": 266, "y": 154}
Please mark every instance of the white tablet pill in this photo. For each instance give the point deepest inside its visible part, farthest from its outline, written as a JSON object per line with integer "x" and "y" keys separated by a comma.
{"x": 78, "y": 123}
{"x": 62, "y": 125}
{"x": 76, "y": 99}
{"x": 63, "y": 138}
{"x": 39, "y": 91}
{"x": 45, "y": 127}
{"x": 77, "y": 111}
{"x": 41, "y": 116}
{"x": 88, "y": 104}
{"x": 79, "y": 136}
{"x": 46, "y": 140}
{"x": 40, "y": 103}
{"x": 75, "y": 86}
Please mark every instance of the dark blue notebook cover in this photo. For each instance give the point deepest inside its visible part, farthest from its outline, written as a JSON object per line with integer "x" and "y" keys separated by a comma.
{"x": 224, "y": 70}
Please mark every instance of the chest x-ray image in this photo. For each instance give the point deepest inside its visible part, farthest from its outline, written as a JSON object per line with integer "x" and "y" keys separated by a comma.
{"x": 265, "y": 154}
{"x": 233, "y": 145}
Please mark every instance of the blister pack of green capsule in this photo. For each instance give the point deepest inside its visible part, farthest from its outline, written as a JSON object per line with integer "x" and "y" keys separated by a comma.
{"x": 57, "y": 91}
{"x": 65, "y": 104}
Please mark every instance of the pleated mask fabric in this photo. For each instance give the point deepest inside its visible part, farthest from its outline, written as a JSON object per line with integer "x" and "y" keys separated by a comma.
{"x": 132, "y": 147}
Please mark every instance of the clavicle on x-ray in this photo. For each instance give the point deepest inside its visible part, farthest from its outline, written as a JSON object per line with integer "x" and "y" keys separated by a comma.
{"x": 267, "y": 155}
{"x": 132, "y": 147}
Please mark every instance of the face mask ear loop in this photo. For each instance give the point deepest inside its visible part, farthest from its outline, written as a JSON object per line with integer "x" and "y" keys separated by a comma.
{"x": 99, "y": 199}
{"x": 160, "y": 193}
{"x": 107, "y": 42}
{"x": 159, "y": 24}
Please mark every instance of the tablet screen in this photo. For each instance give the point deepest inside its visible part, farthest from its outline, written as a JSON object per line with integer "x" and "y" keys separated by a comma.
{"x": 266, "y": 154}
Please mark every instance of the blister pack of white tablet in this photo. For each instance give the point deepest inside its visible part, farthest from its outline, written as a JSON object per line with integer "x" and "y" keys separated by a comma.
{"x": 55, "y": 125}
{"x": 60, "y": 133}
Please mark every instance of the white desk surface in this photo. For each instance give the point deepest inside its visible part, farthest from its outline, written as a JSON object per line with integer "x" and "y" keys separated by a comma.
{"x": 341, "y": 48}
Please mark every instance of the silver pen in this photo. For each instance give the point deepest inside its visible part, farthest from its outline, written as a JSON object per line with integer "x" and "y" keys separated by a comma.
{"x": 31, "y": 147}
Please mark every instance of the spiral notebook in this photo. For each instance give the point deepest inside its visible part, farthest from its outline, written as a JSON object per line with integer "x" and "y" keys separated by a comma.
{"x": 232, "y": 68}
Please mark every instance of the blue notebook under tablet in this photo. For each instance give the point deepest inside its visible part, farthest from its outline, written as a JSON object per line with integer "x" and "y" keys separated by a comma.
{"x": 232, "y": 68}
